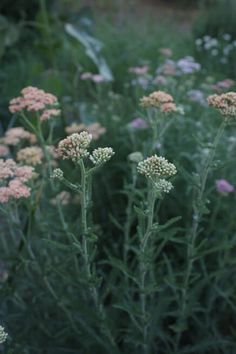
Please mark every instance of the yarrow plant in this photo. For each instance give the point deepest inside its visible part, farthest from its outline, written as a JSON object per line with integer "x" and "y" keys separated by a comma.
{"x": 158, "y": 104}
{"x": 156, "y": 169}
{"x": 75, "y": 148}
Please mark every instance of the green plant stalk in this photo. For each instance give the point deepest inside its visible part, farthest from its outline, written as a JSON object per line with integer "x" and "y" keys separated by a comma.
{"x": 86, "y": 179}
{"x": 84, "y": 227}
{"x": 143, "y": 265}
{"x": 197, "y": 217}
{"x": 129, "y": 210}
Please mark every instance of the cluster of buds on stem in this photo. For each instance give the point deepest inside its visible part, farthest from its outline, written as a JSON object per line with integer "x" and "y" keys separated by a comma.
{"x": 157, "y": 169}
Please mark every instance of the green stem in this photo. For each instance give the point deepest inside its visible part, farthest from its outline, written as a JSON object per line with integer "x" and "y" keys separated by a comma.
{"x": 84, "y": 227}
{"x": 144, "y": 246}
{"x": 129, "y": 219}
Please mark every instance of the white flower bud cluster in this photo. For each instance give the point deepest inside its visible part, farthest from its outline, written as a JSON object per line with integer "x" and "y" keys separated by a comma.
{"x": 75, "y": 146}
{"x": 3, "y": 335}
{"x": 156, "y": 166}
{"x": 100, "y": 156}
{"x": 163, "y": 186}
{"x": 57, "y": 174}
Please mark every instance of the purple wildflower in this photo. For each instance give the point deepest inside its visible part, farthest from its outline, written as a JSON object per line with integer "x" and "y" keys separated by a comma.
{"x": 138, "y": 123}
{"x": 224, "y": 187}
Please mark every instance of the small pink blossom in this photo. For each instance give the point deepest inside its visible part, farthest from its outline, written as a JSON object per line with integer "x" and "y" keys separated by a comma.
{"x": 14, "y": 135}
{"x": 224, "y": 187}
{"x": 13, "y": 178}
{"x": 18, "y": 189}
{"x": 4, "y": 150}
{"x": 139, "y": 70}
{"x": 97, "y": 78}
{"x": 49, "y": 113}
{"x": 4, "y": 194}
{"x": 7, "y": 168}
{"x": 86, "y": 76}
{"x": 24, "y": 173}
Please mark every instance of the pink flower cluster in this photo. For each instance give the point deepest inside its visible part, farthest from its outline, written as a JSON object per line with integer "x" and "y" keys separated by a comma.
{"x": 13, "y": 178}
{"x": 139, "y": 70}
{"x": 34, "y": 99}
{"x": 97, "y": 78}
{"x": 14, "y": 135}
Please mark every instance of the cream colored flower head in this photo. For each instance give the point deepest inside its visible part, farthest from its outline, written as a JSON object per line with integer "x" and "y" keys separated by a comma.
{"x": 225, "y": 103}
{"x": 30, "y": 155}
{"x": 75, "y": 146}
{"x": 156, "y": 167}
{"x": 101, "y": 155}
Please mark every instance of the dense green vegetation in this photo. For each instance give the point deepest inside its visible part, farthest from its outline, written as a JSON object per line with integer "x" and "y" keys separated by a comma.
{"x": 115, "y": 256}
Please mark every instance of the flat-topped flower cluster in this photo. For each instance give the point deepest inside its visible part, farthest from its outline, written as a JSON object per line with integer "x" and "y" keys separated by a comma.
{"x": 157, "y": 169}
{"x": 75, "y": 147}
{"x": 34, "y": 99}
{"x": 160, "y": 100}
{"x": 225, "y": 103}
{"x": 13, "y": 179}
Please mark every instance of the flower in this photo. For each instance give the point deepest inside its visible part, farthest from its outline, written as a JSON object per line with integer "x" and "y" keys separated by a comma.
{"x": 86, "y": 75}
{"x": 138, "y": 123}
{"x": 156, "y": 166}
{"x": 3, "y": 335}
{"x": 49, "y": 113}
{"x": 224, "y": 84}
{"x": 14, "y": 135}
{"x": 34, "y": 99}
{"x": 224, "y": 187}
{"x": 139, "y": 70}
{"x": 13, "y": 178}
{"x": 7, "y": 168}
{"x": 63, "y": 198}
{"x": 163, "y": 186}
{"x": 135, "y": 156}
{"x": 95, "y": 129}
{"x": 225, "y": 103}
{"x": 168, "y": 107}
{"x": 30, "y": 155}
{"x": 57, "y": 174}
{"x": 18, "y": 189}
{"x": 166, "y": 51}
{"x": 97, "y": 78}
{"x": 4, "y": 150}
{"x": 188, "y": 65}
{"x": 75, "y": 146}
{"x": 100, "y": 156}
{"x": 159, "y": 99}
{"x": 196, "y": 96}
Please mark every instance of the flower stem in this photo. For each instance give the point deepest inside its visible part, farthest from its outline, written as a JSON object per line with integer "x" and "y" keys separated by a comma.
{"x": 144, "y": 268}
